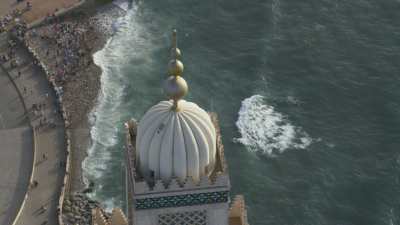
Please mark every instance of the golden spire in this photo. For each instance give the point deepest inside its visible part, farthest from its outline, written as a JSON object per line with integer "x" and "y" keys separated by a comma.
{"x": 175, "y": 86}
{"x": 175, "y": 52}
{"x": 175, "y": 67}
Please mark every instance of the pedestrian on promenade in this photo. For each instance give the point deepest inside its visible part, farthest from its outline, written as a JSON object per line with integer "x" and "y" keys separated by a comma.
{"x": 42, "y": 209}
{"x": 28, "y": 5}
{"x": 44, "y": 156}
{"x": 34, "y": 184}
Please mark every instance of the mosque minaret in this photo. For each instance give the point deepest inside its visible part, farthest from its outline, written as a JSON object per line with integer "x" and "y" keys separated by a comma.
{"x": 175, "y": 138}
{"x": 175, "y": 165}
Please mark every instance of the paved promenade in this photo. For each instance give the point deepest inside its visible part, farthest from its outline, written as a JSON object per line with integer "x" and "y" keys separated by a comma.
{"x": 49, "y": 144}
{"x": 16, "y": 150}
{"x": 40, "y": 8}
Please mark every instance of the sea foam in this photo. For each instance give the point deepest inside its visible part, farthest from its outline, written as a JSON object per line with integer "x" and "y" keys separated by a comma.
{"x": 106, "y": 115}
{"x": 128, "y": 43}
{"x": 103, "y": 120}
{"x": 266, "y": 131}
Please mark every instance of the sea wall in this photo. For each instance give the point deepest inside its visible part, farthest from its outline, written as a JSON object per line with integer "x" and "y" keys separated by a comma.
{"x": 66, "y": 182}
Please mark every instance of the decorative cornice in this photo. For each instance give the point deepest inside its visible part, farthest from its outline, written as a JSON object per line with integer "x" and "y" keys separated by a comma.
{"x": 220, "y": 181}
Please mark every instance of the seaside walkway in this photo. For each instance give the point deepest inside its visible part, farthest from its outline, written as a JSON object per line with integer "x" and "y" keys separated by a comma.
{"x": 16, "y": 150}
{"x": 40, "y": 8}
{"x": 48, "y": 145}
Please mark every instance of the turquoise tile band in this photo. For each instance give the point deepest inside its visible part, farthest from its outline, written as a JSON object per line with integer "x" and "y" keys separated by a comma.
{"x": 182, "y": 200}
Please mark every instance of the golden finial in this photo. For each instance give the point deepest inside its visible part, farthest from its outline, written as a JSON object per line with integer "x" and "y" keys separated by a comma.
{"x": 175, "y": 52}
{"x": 175, "y": 86}
{"x": 175, "y": 67}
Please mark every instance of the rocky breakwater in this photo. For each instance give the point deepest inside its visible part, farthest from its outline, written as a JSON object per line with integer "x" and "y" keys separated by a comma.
{"x": 77, "y": 209}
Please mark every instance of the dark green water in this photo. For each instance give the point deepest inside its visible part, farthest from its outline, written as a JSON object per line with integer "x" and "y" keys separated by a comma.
{"x": 316, "y": 84}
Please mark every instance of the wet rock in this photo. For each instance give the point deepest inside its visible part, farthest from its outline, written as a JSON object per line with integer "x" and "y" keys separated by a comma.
{"x": 78, "y": 209}
{"x": 67, "y": 209}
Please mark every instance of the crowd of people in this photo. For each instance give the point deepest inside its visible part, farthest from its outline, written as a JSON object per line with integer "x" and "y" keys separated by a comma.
{"x": 14, "y": 63}
{"x": 13, "y": 18}
{"x": 9, "y": 55}
{"x": 38, "y": 112}
{"x": 62, "y": 47}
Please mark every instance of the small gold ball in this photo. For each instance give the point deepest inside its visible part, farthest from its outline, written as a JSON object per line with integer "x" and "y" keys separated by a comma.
{"x": 175, "y": 87}
{"x": 176, "y": 53}
{"x": 175, "y": 68}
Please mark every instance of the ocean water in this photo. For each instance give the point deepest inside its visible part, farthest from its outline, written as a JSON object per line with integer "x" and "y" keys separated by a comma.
{"x": 307, "y": 94}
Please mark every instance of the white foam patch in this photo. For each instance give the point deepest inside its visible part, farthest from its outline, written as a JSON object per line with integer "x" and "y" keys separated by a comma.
{"x": 108, "y": 204}
{"x": 123, "y": 4}
{"x": 276, "y": 12}
{"x": 266, "y": 131}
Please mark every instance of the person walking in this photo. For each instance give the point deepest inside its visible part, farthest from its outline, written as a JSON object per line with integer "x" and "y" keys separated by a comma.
{"x": 34, "y": 184}
{"x": 42, "y": 209}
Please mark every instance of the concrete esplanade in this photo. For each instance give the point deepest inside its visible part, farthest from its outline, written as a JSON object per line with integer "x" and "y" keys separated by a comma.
{"x": 16, "y": 150}
{"x": 32, "y": 143}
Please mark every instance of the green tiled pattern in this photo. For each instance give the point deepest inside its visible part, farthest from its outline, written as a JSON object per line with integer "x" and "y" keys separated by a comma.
{"x": 182, "y": 200}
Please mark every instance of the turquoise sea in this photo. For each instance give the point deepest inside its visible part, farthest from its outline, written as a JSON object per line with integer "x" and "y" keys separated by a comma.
{"x": 307, "y": 94}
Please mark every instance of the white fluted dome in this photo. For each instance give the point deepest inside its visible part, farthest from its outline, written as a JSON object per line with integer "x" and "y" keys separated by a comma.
{"x": 177, "y": 144}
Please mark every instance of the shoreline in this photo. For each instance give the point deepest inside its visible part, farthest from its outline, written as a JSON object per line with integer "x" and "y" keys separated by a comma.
{"x": 79, "y": 87}
{"x": 65, "y": 48}
{"x": 112, "y": 12}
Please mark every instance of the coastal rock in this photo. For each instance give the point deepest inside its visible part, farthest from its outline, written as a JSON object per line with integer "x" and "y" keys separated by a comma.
{"x": 78, "y": 209}
{"x": 67, "y": 209}
{"x": 67, "y": 202}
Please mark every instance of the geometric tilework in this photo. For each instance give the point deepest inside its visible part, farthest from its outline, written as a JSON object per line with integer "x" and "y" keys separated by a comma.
{"x": 183, "y": 218}
{"x": 182, "y": 200}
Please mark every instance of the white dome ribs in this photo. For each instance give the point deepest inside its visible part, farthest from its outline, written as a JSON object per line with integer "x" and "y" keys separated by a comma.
{"x": 175, "y": 144}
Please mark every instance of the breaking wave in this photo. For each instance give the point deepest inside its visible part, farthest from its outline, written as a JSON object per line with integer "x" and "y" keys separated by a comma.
{"x": 106, "y": 116}
{"x": 266, "y": 131}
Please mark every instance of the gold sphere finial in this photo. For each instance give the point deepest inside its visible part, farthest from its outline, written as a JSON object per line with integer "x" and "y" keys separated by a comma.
{"x": 175, "y": 52}
{"x": 175, "y": 86}
{"x": 175, "y": 66}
